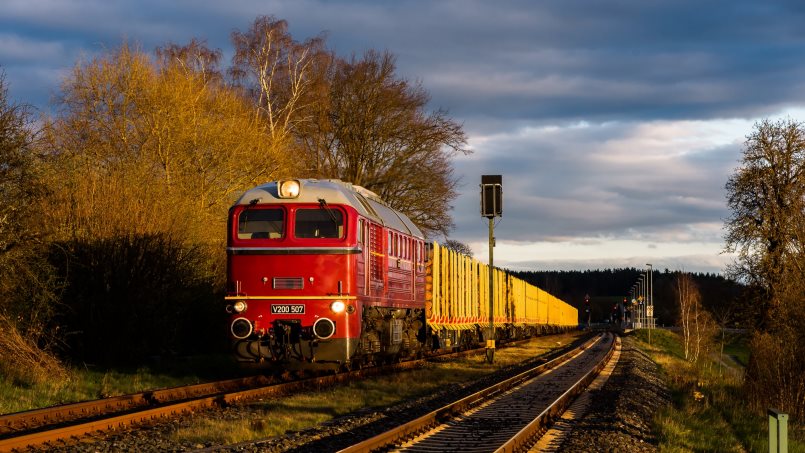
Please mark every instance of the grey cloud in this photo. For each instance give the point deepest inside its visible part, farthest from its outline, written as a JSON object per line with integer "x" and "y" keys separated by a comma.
{"x": 584, "y": 75}
{"x": 552, "y": 189}
{"x": 521, "y": 60}
{"x": 689, "y": 263}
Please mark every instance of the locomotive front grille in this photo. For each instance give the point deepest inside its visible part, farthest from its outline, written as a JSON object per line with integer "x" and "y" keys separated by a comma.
{"x": 288, "y": 283}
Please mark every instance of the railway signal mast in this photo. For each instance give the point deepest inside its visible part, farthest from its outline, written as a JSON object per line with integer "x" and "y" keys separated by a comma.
{"x": 491, "y": 207}
{"x": 587, "y": 308}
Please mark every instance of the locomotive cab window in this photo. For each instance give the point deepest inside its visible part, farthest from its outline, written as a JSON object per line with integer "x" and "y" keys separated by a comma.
{"x": 261, "y": 224}
{"x": 319, "y": 223}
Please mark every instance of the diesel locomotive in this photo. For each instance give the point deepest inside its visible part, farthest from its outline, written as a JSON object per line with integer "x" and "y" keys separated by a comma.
{"x": 322, "y": 274}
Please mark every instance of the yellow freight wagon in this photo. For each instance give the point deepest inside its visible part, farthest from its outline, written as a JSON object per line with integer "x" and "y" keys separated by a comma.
{"x": 457, "y": 302}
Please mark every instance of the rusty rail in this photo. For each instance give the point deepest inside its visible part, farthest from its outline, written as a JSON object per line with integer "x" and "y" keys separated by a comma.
{"x": 440, "y": 415}
{"x": 32, "y": 419}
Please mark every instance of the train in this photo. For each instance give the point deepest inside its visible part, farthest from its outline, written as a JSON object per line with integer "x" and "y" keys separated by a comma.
{"x": 323, "y": 275}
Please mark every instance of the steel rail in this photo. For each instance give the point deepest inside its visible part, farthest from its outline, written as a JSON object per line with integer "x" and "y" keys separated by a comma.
{"x": 28, "y": 420}
{"x": 193, "y": 397}
{"x": 524, "y": 439}
{"x": 447, "y": 412}
{"x": 211, "y": 400}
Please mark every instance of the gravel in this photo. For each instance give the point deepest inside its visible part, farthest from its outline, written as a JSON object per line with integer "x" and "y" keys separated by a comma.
{"x": 619, "y": 419}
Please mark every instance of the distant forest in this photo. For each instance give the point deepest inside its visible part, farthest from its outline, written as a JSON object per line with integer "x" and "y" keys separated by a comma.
{"x": 721, "y": 296}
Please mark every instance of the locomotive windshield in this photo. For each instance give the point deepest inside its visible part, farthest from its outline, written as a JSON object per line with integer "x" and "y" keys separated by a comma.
{"x": 319, "y": 223}
{"x": 261, "y": 224}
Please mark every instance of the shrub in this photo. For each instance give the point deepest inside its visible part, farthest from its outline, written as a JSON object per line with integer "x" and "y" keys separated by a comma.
{"x": 776, "y": 373}
{"x": 131, "y": 297}
{"x": 23, "y": 362}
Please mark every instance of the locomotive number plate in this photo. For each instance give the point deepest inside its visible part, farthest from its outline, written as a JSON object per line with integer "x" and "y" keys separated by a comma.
{"x": 287, "y": 309}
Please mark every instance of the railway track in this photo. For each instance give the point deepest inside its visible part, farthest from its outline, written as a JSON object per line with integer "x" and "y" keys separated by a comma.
{"x": 54, "y": 424}
{"x": 49, "y": 416}
{"x": 71, "y": 421}
{"x": 505, "y": 417}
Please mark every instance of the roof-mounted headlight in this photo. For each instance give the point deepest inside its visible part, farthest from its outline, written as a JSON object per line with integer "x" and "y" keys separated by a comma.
{"x": 288, "y": 188}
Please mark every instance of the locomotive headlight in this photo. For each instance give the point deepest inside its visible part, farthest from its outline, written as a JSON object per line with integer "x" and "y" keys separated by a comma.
{"x": 289, "y": 188}
{"x": 239, "y": 306}
{"x": 337, "y": 306}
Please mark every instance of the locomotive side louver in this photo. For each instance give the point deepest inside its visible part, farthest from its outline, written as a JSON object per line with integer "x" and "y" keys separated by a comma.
{"x": 288, "y": 283}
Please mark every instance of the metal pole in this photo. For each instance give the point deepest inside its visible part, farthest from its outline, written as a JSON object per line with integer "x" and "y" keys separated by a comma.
{"x": 642, "y": 303}
{"x": 641, "y": 300}
{"x": 651, "y": 294}
{"x": 645, "y": 301}
{"x": 490, "y": 340}
{"x": 650, "y": 300}
{"x": 778, "y": 431}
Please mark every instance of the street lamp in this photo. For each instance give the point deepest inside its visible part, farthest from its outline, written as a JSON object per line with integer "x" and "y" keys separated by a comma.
{"x": 631, "y": 305}
{"x": 651, "y": 290}
{"x": 650, "y": 311}
{"x": 641, "y": 299}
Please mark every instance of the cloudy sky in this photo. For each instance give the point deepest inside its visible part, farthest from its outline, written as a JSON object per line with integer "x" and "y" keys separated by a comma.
{"x": 615, "y": 124}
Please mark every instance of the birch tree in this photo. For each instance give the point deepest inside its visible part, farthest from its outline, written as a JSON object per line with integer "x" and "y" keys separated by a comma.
{"x": 279, "y": 73}
{"x": 697, "y": 324}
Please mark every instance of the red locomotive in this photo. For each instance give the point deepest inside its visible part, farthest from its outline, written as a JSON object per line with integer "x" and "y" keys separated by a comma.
{"x": 321, "y": 273}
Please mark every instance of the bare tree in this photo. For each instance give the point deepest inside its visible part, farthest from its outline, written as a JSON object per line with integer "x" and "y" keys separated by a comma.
{"x": 767, "y": 228}
{"x": 279, "y": 72}
{"x": 697, "y": 324}
{"x": 194, "y": 57}
{"x": 458, "y": 247}
{"x": 19, "y": 185}
{"x": 375, "y": 131}
{"x": 766, "y": 196}
{"x": 140, "y": 148}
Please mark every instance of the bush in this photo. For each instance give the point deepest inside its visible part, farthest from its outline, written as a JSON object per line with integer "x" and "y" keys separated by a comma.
{"x": 132, "y": 297}
{"x": 775, "y": 376}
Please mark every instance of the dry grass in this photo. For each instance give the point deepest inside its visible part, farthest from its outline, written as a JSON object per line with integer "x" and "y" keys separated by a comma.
{"x": 23, "y": 363}
{"x": 92, "y": 383}
{"x": 708, "y": 412}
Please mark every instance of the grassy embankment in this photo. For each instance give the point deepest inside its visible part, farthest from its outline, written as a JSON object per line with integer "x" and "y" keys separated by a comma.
{"x": 708, "y": 413}
{"x": 89, "y": 383}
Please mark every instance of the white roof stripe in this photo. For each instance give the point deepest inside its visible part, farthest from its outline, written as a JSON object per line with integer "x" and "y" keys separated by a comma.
{"x": 335, "y": 191}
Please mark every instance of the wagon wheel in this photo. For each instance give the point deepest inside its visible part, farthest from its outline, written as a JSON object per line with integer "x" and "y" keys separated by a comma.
{"x": 466, "y": 341}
